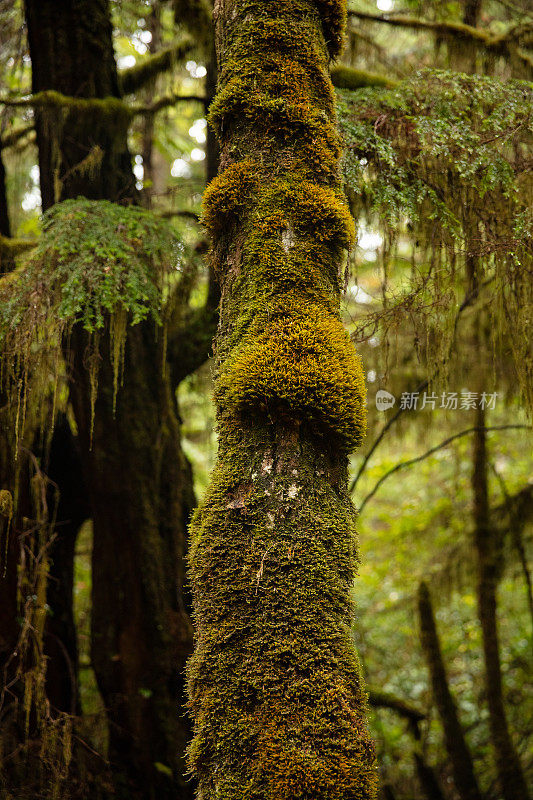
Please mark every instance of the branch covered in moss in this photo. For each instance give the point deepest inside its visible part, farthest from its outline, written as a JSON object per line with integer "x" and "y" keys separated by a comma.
{"x": 107, "y": 106}
{"x": 440, "y": 160}
{"x": 96, "y": 262}
{"x": 444, "y": 28}
{"x": 53, "y": 99}
{"x": 14, "y": 137}
{"x": 134, "y": 78}
{"x": 344, "y": 77}
{"x": 503, "y": 44}
{"x": 13, "y": 247}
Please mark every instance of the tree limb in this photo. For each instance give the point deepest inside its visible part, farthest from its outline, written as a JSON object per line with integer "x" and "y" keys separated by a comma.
{"x": 380, "y": 699}
{"x": 344, "y": 77}
{"x": 430, "y": 452}
{"x": 497, "y": 43}
{"x": 134, "y": 78}
{"x": 97, "y": 105}
{"x": 13, "y": 247}
{"x": 165, "y": 101}
{"x": 180, "y": 212}
{"x": 13, "y": 137}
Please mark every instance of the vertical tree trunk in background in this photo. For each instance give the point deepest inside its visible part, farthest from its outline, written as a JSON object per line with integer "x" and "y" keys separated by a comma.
{"x": 148, "y": 123}
{"x": 427, "y": 779}
{"x": 139, "y": 482}
{"x": 275, "y": 685}
{"x": 63, "y": 467}
{"x": 5, "y": 227}
{"x": 456, "y": 746}
{"x": 462, "y": 53}
{"x": 472, "y": 10}
{"x": 6, "y": 261}
{"x": 511, "y": 777}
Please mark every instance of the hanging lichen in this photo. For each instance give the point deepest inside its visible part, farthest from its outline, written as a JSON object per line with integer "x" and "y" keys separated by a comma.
{"x": 98, "y": 265}
{"x": 440, "y": 167}
{"x": 275, "y": 686}
{"x": 23, "y": 703}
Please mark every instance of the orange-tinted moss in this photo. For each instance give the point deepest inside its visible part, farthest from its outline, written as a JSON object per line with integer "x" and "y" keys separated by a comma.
{"x": 227, "y": 195}
{"x": 333, "y": 17}
{"x": 304, "y": 362}
{"x": 274, "y": 682}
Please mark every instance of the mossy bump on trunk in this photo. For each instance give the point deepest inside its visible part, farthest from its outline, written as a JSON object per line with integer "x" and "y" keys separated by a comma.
{"x": 274, "y": 683}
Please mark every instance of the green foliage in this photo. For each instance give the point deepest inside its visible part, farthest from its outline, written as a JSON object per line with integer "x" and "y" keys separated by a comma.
{"x": 93, "y": 259}
{"x": 440, "y": 166}
{"x": 457, "y": 122}
{"x": 97, "y": 264}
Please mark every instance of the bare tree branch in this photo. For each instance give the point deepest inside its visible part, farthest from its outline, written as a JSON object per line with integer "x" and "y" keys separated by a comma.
{"x": 445, "y": 443}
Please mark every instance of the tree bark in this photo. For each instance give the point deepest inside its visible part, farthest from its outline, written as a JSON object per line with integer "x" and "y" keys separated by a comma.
{"x": 80, "y": 153}
{"x": 427, "y": 779}
{"x": 275, "y": 686}
{"x": 510, "y": 774}
{"x": 6, "y": 261}
{"x": 456, "y": 746}
{"x": 139, "y": 482}
{"x": 62, "y": 465}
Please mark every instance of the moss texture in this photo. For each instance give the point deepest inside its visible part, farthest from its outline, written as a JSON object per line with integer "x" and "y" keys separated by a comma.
{"x": 344, "y": 77}
{"x": 274, "y": 683}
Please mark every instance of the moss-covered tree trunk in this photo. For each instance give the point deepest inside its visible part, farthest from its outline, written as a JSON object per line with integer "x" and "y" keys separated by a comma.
{"x": 275, "y": 686}
{"x": 456, "y": 746}
{"x": 510, "y": 774}
{"x": 138, "y": 480}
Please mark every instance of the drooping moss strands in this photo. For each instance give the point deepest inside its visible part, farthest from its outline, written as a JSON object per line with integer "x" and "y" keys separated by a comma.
{"x": 274, "y": 684}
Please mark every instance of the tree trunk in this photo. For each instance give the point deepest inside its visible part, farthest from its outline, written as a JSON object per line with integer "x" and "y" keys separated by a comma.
{"x": 427, "y": 779}
{"x": 275, "y": 685}
{"x": 6, "y": 261}
{"x": 472, "y": 10}
{"x": 456, "y": 746}
{"x": 62, "y": 466}
{"x": 148, "y": 123}
{"x": 140, "y": 487}
{"x": 511, "y": 777}
{"x": 138, "y": 480}
{"x": 80, "y": 152}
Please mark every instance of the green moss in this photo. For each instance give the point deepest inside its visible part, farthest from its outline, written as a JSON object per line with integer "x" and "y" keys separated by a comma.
{"x": 97, "y": 263}
{"x": 227, "y": 196}
{"x": 344, "y": 77}
{"x": 13, "y": 247}
{"x": 274, "y": 683}
{"x": 134, "y": 78}
{"x": 6, "y": 504}
{"x": 303, "y": 362}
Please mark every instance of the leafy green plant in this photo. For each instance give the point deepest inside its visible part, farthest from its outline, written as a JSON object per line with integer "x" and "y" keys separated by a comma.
{"x": 98, "y": 265}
